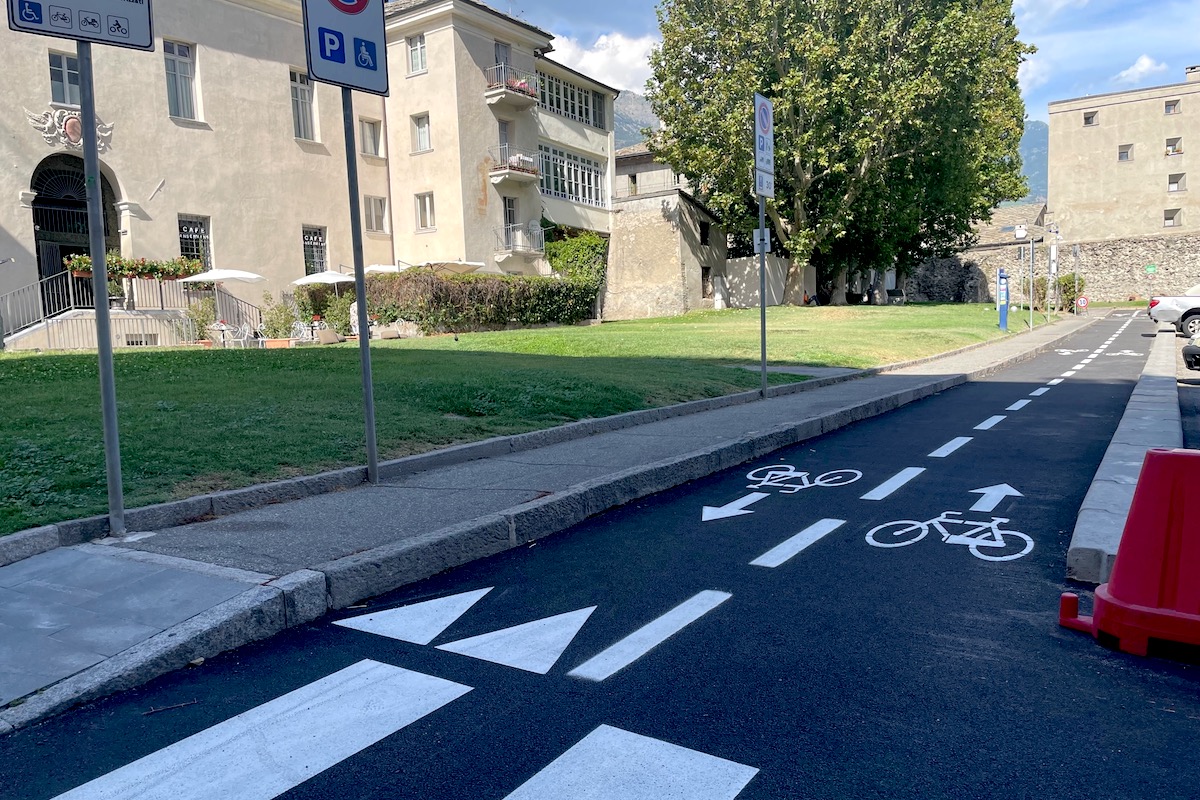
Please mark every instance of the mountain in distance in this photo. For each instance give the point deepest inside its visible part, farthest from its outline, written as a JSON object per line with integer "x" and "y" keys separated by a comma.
{"x": 633, "y": 113}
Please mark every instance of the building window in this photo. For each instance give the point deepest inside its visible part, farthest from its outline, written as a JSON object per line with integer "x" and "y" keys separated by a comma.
{"x": 1177, "y": 182}
{"x": 572, "y": 177}
{"x": 1174, "y": 146}
{"x": 425, "y": 218}
{"x": 375, "y": 212}
{"x": 1172, "y": 218}
{"x": 705, "y": 230}
{"x": 181, "y": 79}
{"x": 416, "y": 54}
{"x": 1091, "y": 117}
{"x": 706, "y": 283}
{"x": 420, "y": 133}
{"x": 633, "y": 185}
{"x": 571, "y": 101}
{"x": 316, "y": 258}
{"x": 302, "y": 106}
{"x": 1125, "y": 152}
{"x": 1171, "y": 107}
{"x": 64, "y": 79}
{"x": 370, "y": 131}
{"x": 195, "y": 239}
{"x": 503, "y": 52}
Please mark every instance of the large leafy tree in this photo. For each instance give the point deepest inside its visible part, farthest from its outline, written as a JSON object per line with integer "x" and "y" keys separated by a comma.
{"x": 897, "y": 122}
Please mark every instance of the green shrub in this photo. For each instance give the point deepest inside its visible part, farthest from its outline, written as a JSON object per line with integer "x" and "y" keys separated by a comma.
{"x": 312, "y": 300}
{"x": 583, "y": 256}
{"x": 1066, "y": 292}
{"x": 337, "y": 312}
{"x": 441, "y": 303}
{"x": 202, "y": 313}
{"x": 278, "y": 318}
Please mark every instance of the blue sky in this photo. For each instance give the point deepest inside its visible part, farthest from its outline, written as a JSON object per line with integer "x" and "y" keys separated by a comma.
{"x": 1084, "y": 46}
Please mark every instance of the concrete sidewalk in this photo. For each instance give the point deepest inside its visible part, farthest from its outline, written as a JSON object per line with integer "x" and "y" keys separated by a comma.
{"x": 91, "y": 619}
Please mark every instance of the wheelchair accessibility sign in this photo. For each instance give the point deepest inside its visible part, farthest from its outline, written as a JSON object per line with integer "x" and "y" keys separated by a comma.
{"x": 346, "y": 44}
{"x": 124, "y": 23}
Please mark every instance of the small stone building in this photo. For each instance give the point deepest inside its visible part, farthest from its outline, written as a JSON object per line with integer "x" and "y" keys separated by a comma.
{"x": 667, "y": 251}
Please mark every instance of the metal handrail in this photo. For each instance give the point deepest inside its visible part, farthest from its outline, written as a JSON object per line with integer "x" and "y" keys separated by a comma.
{"x": 512, "y": 79}
{"x": 49, "y": 300}
{"x": 521, "y": 238}
{"x": 507, "y": 156}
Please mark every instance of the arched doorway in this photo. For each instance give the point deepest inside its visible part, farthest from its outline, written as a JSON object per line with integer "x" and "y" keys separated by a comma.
{"x": 60, "y": 225}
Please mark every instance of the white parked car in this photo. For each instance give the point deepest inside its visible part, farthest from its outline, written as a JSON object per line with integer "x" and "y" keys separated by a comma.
{"x": 1182, "y": 311}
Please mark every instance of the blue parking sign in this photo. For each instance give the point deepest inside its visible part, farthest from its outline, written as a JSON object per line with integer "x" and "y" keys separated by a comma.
{"x": 333, "y": 45}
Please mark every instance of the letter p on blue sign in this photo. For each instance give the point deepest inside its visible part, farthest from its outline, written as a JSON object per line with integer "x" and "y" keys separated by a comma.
{"x": 333, "y": 45}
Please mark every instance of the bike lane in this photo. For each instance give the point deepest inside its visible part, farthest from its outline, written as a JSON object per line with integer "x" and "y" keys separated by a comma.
{"x": 829, "y": 668}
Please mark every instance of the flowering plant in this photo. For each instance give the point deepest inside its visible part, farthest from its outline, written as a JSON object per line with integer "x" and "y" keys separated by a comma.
{"x": 120, "y": 267}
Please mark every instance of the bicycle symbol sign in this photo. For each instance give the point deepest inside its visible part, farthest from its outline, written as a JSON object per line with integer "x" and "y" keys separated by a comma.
{"x": 788, "y": 480}
{"x": 985, "y": 540}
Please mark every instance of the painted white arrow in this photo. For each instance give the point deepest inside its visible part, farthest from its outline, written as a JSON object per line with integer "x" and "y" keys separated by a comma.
{"x": 992, "y": 495}
{"x": 732, "y": 509}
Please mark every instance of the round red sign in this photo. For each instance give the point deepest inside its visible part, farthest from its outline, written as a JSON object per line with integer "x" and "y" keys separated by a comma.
{"x": 350, "y": 6}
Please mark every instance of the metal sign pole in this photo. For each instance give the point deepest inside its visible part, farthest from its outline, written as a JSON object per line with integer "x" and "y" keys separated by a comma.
{"x": 95, "y": 212}
{"x": 360, "y": 287}
{"x": 762, "y": 290}
{"x": 1032, "y": 295}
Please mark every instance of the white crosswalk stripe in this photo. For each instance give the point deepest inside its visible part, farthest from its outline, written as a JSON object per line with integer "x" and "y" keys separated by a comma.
{"x": 274, "y": 747}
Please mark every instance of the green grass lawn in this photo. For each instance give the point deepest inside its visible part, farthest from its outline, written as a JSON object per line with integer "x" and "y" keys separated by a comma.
{"x": 195, "y": 420}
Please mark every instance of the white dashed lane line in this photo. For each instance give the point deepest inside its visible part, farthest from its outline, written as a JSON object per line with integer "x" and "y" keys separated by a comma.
{"x": 990, "y": 423}
{"x": 1039, "y": 392}
{"x": 1017, "y": 406}
{"x": 950, "y": 446}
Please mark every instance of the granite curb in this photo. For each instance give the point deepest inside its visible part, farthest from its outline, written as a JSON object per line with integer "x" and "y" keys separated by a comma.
{"x": 1151, "y": 419}
{"x": 257, "y": 613}
{"x": 23, "y": 544}
{"x": 306, "y": 595}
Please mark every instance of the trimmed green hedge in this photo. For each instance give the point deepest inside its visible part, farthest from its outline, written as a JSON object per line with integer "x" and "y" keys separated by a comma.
{"x": 443, "y": 303}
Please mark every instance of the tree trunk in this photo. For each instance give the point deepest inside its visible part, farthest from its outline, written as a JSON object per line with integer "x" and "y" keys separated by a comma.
{"x": 838, "y": 298}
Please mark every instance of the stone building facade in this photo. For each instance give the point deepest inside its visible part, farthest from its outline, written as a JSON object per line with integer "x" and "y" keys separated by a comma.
{"x": 666, "y": 255}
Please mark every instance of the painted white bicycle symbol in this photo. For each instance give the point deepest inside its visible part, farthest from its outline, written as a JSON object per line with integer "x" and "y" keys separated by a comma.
{"x": 1004, "y": 545}
{"x": 788, "y": 480}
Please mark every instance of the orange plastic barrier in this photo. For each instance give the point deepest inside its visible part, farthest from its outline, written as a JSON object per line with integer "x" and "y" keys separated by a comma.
{"x": 1154, "y": 589}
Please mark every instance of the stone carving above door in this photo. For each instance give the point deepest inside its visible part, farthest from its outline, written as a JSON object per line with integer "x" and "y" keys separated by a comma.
{"x": 63, "y": 127}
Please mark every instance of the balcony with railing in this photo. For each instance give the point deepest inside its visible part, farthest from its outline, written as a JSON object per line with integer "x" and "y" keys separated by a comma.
{"x": 507, "y": 85}
{"x": 527, "y": 240}
{"x": 511, "y": 164}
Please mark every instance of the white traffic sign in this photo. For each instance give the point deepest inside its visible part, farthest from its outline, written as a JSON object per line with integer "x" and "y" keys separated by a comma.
{"x": 1082, "y": 302}
{"x": 764, "y": 147}
{"x": 346, "y": 43}
{"x": 121, "y": 23}
{"x": 1053, "y": 259}
{"x": 764, "y": 135}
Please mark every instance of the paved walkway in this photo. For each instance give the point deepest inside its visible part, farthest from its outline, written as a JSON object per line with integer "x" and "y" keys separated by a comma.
{"x": 101, "y": 617}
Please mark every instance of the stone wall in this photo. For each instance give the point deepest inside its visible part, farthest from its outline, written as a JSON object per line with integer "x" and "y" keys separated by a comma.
{"x": 1112, "y": 270}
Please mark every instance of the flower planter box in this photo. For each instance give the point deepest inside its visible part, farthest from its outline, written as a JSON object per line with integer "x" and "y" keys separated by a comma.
{"x": 275, "y": 344}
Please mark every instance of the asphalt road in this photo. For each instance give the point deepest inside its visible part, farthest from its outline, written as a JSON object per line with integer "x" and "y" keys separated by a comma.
{"x": 770, "y": 654}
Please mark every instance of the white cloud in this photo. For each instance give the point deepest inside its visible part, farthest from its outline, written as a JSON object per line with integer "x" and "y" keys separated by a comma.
{"x": 1033, "y": 73}
{"x": 615, "y": 59}
{"x": 1038, "y": 14}
{"x": 1143, "y": 68}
